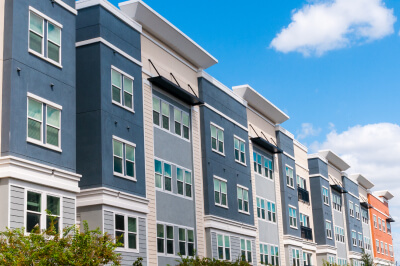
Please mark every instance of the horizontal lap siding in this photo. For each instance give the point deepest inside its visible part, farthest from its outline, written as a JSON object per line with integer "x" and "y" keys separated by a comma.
{"x": 235, "y": 247}
{"x": 69, "y": 212}
{"x": 109, "y": 223}
{"x": 17, "y": 199}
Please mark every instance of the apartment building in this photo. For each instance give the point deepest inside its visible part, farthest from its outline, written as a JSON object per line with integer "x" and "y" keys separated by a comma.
{"x": 125, "y": 129}
{"x": 262, "y": 117}
{"x": 381, "y": 230}
{"x": 38, "y": 133}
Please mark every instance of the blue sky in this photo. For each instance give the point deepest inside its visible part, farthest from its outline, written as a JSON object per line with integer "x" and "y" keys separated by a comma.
{"x": 340, "y": 94}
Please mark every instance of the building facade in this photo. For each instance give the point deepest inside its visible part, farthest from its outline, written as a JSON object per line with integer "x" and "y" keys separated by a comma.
{"x": 108, "y": 116}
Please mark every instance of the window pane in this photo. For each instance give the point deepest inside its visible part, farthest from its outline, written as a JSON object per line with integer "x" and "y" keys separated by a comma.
{"x": 158, "y": 166}
{"x": 223, "y": 199}
{"x": 178, "y": 128}
{"x": 165, "y": 108}
{"x": 128, "y": 85}
{"x": 170, "y": 232}
{"x": 236, "y": 141}
{"x": 53, "y": 52}
{"x": 167, "y": 170}
{"x": 35, "y": 42}
{"x": 128, "y": 100}
{"x": 168, "y": 185}
{"x": 242, "y": 147}
{"x": 34, "y": 129}
{"x": 245, "y": 195}
{"x": 190, "y": 236}
{"x": 185, "y": 119}
{"x": 240, "y": 193}
{"x": 36, "y": 23}
{"x": 216, "y": 184}
{"x": 213, "y": 132}
{"x": 160, "y": 230}
{"x": 116, "y": 78}
{"x": 220, "y": 240}
{"x": 54, "y": 33}
{"x": 132, "y": 241}
{"x": 182, "y": 234}
{"x": 53, "y": 205}
{"x": 34, "y": 202}
{"x": 52, "y": 135}
{"x": 179, "y": 174}
{"x": 120, "y": 237}
{"x": 55, "y": 220}
{"x": 32, "y": 220}
{"x": 132, "y": 224}
{"x": 188, "y": 177}
{"x": 186, "y": 132}
{"x": 177, "y": 115}
{"x": 53, "y": 116}
{"x": 119, "y": 222}
{"x": 156, "y": 104}
{"x": 117, "y": 148}
{"x": 160, "y": 245}
{"x": 130, "y": 152}
{"x": 220, "y": 135}
{"x": 223, "y": 187}
{"x": 118, "y": 165}
{"x": 116, "y": 94}
{"x": 35, "y": 109}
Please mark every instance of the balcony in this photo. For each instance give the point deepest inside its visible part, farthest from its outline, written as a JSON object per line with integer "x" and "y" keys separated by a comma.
{"x": 304, "y": 196}
{"x": 306, "y": 233}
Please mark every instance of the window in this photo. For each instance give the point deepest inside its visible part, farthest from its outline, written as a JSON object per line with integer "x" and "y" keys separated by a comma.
{"x": 240, "y": 150}
{"x": 123, "y": 158}
{"x": 33, "y": 211}
{"x": 126, "y": 226}
{"x": 271, "y": 212}
{"x": 337, "y": 202}
{"x": 170, "y": 239}
{"x": 383, "y": 226}
{"x": 165, "y": 115}
{"x": 167, "y": 177}
{"x": 182, "y": 241}
{"x": 379, "y": 223}
{"x": 339, "y": 234}
{"x": 160, "y": 238}
{"x": 389, "y": 230}
{"x": 220, "y": 192}
{"x": 243, "y": 199}
{"x": 260, "y": 208}
{"x": 351, "y": 208}
{"x": 156, "y": 111}
{"x": 328, "y": 226}
{"x": 245, "y": 248}
{"x": 184, "y": 184}
{"x": 224, "y": 247}
{"x": 257, "y": 163}
{"x": 367, "y": 243}
{"x": 292, "y": 217}
{"x": 122, "y": 88}
{"x": 332, "y": 260}
{"x": 377, "y": 245}
{"x": 181, "y": 123}
{"x": 325, "y": 194}
{"x": 158, "y": 173}
{"x": 217, "y": 139}
{"x": 289, "y": 176}
{"x": 386, "y": 249}
{"x": 190, "y": 242}
{"x": 354, "y": 237}
{"x": 382, "y": 248}
{"x": 375, "y": 224}
{"x": 296, "y": 257}
{"x": 274, "y": 255}
{"x": 360, "y": 240}
{"x": 304, "y": 220}
{"x": 38, "y": 112}
{"x": 357, "y": 211}
{"x": 301, "y": 182}
{"x": 53, "y": 206}
{"x": 264, "y": 254}
{"x": 268, "y": 168}
{"x": 307, "y": 259}
{"x": 37, "y": 24}
{"x": 364, "y": 215}
{"x": 391, "y": 250}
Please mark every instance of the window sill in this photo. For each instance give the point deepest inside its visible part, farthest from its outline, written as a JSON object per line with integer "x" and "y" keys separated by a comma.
{"x": 222, "y": 206}
{"x": 293, "y": 227}
{"x": 45, "y": 58}
{"x": 127, "y": 250}
{"x": 290, "y": 186}
{"x": 48, "y": 146}
{"x": 243, "y": 212}
{"x": 122, "y": 106}
{"x": 218, "y": 152}
{"x": 126, "y": 177}
{"x": 239, "y": 162}
{"x": 326, "y": 204}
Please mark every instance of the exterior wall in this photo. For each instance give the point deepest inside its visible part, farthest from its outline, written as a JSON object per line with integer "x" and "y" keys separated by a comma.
{"x": 98, "y": 118}
{"x": 36, "y": 76}
{"x": 289, "y": 195}
{"x": 380, "y": 210}
{"x": 363, "y": 194}
{"x": 2, "y": 23}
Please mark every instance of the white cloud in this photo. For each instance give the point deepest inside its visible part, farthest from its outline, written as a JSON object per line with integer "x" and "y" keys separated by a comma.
{"x": 374, "y": 151}
{"x": 321, "y": 26}
{"x": 307, "y": 129}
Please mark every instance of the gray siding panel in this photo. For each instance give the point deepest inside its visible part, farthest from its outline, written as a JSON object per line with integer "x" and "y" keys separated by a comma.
{"x": 16, "y": 207}
{"x": 69, "y": 212}
{"x": 109, "y": 222}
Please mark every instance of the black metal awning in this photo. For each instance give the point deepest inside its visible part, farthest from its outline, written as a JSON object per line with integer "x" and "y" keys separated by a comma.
{"x": 390, "y": 220}
{"x": 366, "y": 205}
{"x": 266, "y": 145}
{"x": 175, "y": 90}
{"x": 339, "y": 189}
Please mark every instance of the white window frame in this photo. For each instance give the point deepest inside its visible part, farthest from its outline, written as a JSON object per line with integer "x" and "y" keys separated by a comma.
{"x": 122, "y": 90}
{"x": 44, "y": 40}
{"x": 182, "y": 113}
{"x": 383, "y": 226}
{"x": 240, "y": 140}
{"x": 357, "y": 207}
{"x": 296, "y": 257}
{"x": 293, "y": 220}
{"x": 257, "y": 166}
{"x": 304, "y": 221}
{"x": 328, "y": 231}
{"x": 380, "y": 223}
{"x": 325, "y": 197}
{"x": 377, "y": 246}
{"x": 269, "y": 174}
{"x": 224, "y": 247}
{"x": 246, "y": 241}
{"x": 124, "y": 143}
{"x": 301, "y": 182}
{"x": 220, "y": 193}
{"x": 217, "y": 139}
{"x": 375, "y": 221}
{"x": 289, "y": 179}
{"x": 351, "y": 208}
{"x": 126, "y": 232}
{"x": 364, "y": 218}
{"x": 382, "y": 248}
{"x": 243, "y": 188}
{"x": 354, "y": 238}
{"x": 43, "y": 141}
{"x": 335, "y": 202}
{"x": 360, "y": 240}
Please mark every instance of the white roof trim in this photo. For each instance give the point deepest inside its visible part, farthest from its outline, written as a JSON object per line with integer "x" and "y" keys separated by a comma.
{"x": 300, "y": 145}
{"x": 334, "y": 159}
{"x": 383, "y": 193}
{"x": 111, "y": 8}
{"x": 218, "y": 84}
{"x": 161, "y": 28}
{"x": 284, "y": 131}
{"x": 317, "y": 156}
{"x": 260, "y": 103}
{"x": 362, "y": 180}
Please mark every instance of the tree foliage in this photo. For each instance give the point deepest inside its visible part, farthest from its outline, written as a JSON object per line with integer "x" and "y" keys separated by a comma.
{"x": 47, "y": 247}
{"x": 197, "y": 261}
